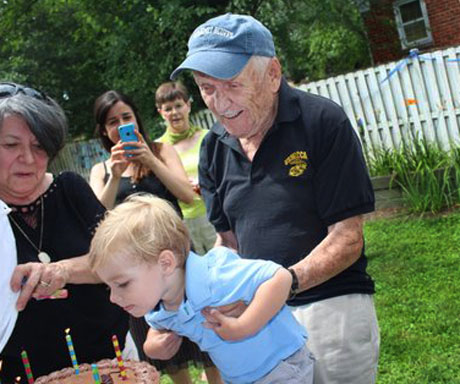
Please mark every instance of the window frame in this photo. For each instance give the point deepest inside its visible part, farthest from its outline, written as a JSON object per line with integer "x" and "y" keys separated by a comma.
{"x": 400, "y": 25}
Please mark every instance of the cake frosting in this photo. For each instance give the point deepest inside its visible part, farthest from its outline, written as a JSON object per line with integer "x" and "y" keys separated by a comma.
{"x": 138, "y": 372}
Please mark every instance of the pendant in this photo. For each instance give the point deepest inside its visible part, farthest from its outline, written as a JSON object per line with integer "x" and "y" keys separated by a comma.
{"x": 44, "y": 257}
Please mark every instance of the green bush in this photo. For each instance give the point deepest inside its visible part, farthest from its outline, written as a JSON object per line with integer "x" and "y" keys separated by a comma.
{"x": 428, "y": 176}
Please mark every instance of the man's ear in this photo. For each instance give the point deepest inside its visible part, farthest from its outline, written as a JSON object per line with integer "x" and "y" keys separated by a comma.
{"x": 167, "y": 262}
{"x": 274, "y": 75}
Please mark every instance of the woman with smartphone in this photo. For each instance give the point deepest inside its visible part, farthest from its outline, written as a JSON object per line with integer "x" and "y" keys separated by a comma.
{"x": 138, "y": 165}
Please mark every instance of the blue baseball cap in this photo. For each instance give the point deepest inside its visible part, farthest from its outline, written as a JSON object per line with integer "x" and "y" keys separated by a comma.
{"x": 222, "y": 46}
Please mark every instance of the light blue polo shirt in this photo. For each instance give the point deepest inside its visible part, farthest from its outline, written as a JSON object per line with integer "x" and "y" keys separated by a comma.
{"x": 222, "y": 277}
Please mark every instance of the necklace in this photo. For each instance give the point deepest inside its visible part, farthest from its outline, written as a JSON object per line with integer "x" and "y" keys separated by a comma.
{"x": 42, "y": 256}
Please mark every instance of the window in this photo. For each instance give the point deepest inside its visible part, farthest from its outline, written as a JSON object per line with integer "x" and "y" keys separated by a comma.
{"x": 412, "y": 22}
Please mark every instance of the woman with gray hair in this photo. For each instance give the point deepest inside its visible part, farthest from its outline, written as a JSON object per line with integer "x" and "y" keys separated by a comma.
{"x": 53, "y": 218}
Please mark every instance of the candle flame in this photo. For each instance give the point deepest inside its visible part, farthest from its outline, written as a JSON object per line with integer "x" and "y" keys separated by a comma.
{"x": 67, "y": 331}
{"x": 1, "y": 364}
{"x": 18, "y": 379}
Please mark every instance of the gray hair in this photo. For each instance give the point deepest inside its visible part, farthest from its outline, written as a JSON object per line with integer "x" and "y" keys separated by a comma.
{"x": 260, "y": 63}
{"x": 44, "y": 117}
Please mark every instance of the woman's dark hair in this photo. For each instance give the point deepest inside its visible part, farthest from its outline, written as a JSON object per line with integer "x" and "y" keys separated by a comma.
{"x": 44, "y": 117}
{"x": 170, "y": 91}
{"x": 102, "y": 106}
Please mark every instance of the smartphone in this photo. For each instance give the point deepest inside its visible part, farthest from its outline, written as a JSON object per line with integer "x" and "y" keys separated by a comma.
{"x": 126, "y": 132}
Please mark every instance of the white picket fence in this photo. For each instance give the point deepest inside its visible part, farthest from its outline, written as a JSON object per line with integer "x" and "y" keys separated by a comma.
{"x": 418, "y": 96}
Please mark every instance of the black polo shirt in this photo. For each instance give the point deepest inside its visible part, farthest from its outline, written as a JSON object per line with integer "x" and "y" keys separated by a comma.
{"x": 308, "y": 173}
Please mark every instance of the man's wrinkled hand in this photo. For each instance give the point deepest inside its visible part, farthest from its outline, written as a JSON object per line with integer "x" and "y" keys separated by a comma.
{"x": 228, "y": 328}
{"x": 230, "y": 310}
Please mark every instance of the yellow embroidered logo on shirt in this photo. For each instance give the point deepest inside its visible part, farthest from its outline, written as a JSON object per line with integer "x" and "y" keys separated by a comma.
{"x": 298, "y": 163}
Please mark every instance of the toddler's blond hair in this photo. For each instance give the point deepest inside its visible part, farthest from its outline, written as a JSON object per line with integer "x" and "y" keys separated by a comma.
{"x": 143, "y": 226}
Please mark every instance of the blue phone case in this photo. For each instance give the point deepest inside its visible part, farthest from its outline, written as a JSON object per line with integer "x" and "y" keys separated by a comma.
{"x": 126, "y": 132}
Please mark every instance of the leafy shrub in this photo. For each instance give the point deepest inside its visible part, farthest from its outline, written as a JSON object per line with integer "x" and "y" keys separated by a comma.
{"x": 428, "y": 176}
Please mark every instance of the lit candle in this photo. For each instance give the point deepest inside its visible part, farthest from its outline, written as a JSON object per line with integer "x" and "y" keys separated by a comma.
{"x": 72, "y": 351}
{"x": 97, "y": 379}
{"x": 25, "y": 361}
{"x": 121, "y": 365}
{"x": 1, "y": 364}
{"x": 17, "y": 379}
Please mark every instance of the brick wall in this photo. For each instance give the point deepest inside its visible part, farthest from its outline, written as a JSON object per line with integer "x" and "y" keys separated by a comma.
{"x": 382, "y": 33}
{"x": 444, "y": 18}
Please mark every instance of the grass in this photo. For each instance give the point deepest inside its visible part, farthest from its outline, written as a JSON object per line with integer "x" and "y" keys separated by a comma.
{"x": 415, "y": 263}
{"x": 195, "y": 374}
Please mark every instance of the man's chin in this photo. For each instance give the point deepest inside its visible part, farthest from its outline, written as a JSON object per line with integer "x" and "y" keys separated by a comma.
{"x": 233, "y": 132}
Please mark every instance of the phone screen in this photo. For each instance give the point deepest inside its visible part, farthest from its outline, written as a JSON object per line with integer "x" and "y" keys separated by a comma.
{"x": 127, "y": 133}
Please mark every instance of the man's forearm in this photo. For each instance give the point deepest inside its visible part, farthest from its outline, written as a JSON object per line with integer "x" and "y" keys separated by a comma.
{"x": 338, "y": 250}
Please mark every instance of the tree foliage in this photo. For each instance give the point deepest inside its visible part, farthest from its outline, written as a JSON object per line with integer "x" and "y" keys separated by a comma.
{"x": 76, "y": 49}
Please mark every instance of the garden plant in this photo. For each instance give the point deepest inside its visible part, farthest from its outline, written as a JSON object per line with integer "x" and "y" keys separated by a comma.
{"x": 428, "y": 176}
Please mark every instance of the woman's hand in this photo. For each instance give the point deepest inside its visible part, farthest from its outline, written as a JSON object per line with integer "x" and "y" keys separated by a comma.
{"x": 195, "y": 185}
{"x": 118, "y": 160}
{"x": 161, "y": 345}
{"x": 37, "y": 279}
{"x": 167, "y": 166}
{"x": 141, "y": 152}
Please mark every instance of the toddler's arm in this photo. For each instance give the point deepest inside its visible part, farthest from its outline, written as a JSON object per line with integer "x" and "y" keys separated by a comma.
{"x": 268, "y": 300}
{"x": 161, "y": 344}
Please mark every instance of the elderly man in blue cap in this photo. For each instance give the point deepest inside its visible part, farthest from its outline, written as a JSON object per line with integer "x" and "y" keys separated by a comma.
{"x": 283, "y": 177}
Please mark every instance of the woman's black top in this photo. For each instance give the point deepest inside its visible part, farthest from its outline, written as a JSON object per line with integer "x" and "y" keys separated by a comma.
{"x": 148, "y": 184}
{"x": 71, "y": 213}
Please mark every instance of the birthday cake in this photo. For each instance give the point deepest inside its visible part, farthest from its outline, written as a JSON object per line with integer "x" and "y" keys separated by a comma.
{"x": 137, "y": 372}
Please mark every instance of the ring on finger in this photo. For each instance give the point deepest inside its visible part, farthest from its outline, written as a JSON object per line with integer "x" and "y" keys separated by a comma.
{"x": 44, "y": 284}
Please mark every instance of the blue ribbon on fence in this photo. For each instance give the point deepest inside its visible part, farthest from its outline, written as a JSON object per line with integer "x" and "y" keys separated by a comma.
{"x": 397, "y": 68}
{"x": 413, "y": 53}
{"x": 436, "y": 58}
